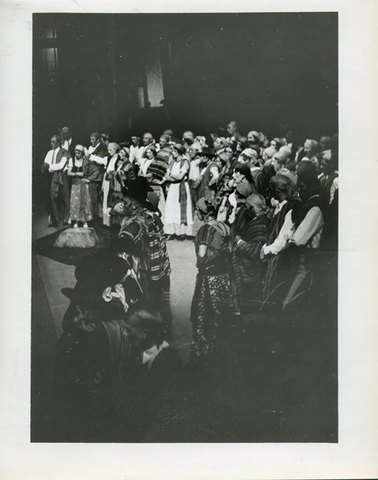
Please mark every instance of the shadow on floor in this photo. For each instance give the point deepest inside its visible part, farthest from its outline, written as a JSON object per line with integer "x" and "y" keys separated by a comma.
{"x": 72, "y": 256}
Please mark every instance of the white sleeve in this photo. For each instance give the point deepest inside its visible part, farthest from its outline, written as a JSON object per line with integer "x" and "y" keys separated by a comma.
{"x": 100, "y": 160}
{"x": 59, "y": 166}
{"x": 334, "y": 187}
{"x": 47, "y": 159}
{"x": 215, "y": 172}
{"x": 281, "y": 242}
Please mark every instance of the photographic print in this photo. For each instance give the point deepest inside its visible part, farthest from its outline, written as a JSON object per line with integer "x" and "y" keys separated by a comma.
{"x": 185, "y": 186}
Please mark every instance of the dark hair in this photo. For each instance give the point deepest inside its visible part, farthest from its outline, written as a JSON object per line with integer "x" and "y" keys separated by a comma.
{"x": 244, "y": 170}
{"x": 307, "y": 174}
{"x": 96, "y": 135}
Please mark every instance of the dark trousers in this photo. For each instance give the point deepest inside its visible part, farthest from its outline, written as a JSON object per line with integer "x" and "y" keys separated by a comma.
{"x": 59, "y": 198}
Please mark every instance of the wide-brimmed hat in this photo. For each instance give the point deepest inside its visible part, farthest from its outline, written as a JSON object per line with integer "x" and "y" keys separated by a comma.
{"x": 94, "y": 277}
{"x": 138, "y": 190}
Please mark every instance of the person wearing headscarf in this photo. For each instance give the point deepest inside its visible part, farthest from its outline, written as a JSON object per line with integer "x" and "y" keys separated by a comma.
{"x": 254, "y": 137}
{"x": 212, "y": 300}
{"x": 80, "y": 201}
{"x": 188, "y": 135}
{"x": 242, "y": 186}
{"x": 178, "y": 209}
{"x": 246, "y": 243}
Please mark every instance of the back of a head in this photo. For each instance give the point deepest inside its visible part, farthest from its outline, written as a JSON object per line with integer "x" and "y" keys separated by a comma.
{"x": 244, "y": 170}
{"x": 308, "y": 174}
{"x": 281, "y": 183}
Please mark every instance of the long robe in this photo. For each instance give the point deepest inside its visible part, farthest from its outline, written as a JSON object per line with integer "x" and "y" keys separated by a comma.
{"x": 248, "y": 269}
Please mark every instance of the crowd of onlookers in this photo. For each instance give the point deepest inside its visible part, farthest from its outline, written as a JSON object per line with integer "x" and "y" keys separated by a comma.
{"x": 258, "y": 209}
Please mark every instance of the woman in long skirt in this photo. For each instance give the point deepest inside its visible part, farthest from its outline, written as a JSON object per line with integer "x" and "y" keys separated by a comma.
{"x": 178, "y": 209}
{"x": 212, "y": 300}
{"x": 81, "y": 209}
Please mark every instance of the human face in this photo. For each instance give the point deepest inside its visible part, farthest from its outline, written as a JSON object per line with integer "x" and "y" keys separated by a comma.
{"x": 303, "y": 190}
{"x": 54, "y": 143}
{"x": 238, "y": 177}
{"x": 229, "y": 152}
{"x": 192, "y": 153}
{"x": 149, "y": 154}
{"x": 66, "y": 134}
{"x": 111, "y": 150}
{"x": 93, "y": 141}
{"x": 250, "y": 137}
{"x": 242, "y": 158}
{"x": 135, "y": 141}
{"x": 276, "y": 164}
{"x": 126, "y": 207}
{"x": 163, "y": 142}
{"x": 147, "y": 139}
{"x": 217, "y": 143}
{"x": 273, "y": 143}
{"x": 122, "y": 154}
{"x": 175, "y": 153}
{"x": 79, "y": 154}
{"x": 325, "y": 166}
{"x": 231, "y": 128}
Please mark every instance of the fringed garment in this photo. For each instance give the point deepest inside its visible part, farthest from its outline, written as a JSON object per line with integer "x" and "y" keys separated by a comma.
{"x": 247, "y": 266}
{"x": 212, "y": 300}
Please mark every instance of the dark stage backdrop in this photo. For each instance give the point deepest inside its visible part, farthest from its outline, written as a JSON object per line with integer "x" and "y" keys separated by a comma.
{"x": 128, "y": 73}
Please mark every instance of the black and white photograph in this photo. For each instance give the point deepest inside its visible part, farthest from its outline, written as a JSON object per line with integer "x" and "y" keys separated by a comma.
{"x": 185, "y": 227}
{"x": 188, "y": 241}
